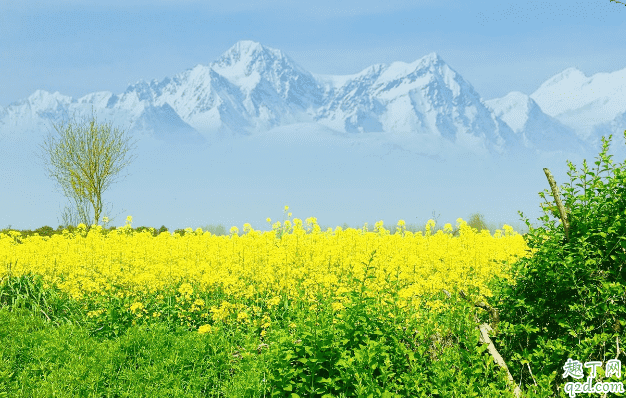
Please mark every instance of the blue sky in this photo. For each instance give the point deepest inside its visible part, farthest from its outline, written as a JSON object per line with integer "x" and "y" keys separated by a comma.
{"x": 77, "y": 47}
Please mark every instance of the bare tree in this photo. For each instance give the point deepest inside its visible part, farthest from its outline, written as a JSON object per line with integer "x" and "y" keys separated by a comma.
{"x": 84, "y": 162}
{"x": 81, "y": 215}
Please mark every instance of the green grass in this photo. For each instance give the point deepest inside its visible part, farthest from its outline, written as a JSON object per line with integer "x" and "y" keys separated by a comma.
{"x": 40, "y": 359}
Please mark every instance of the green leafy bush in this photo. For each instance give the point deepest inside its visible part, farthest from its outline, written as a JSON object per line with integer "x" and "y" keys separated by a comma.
{"x": 569, "y": 297}
{"x": 376, "y": 349}
{"x": 477, "y": 221}
{"x": 45, "y": 231}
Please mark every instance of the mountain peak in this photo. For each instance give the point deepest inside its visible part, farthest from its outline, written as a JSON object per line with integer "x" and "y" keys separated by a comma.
{"x": 43, "y": 94}
{"x": 583, "y": 101}
{"x": 245, "y": 54}
{"x": 251, "y": 65}
{"x": 513, "y": 108}
{"x": 396, "y": 69}
{"x": 432, "y": 58}
{"x": 572, "y": 76}
{"x": 247, "y": 46}
{"x": 45, "y": 100}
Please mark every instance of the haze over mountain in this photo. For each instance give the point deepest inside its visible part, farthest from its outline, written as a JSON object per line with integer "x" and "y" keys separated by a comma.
{"x": 254, "y": 117}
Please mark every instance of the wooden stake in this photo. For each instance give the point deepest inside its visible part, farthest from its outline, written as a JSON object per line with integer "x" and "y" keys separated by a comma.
{"x": 484, "y": 337}
{"x": 559, "y": 204}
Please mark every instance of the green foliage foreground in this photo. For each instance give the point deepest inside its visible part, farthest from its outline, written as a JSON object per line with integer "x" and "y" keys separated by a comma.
{"x": 49, "y": 348}
{"x": 569, "y": 301}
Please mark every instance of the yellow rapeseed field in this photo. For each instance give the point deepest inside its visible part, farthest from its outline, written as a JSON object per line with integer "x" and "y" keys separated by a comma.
{"x": 285, "y": 264}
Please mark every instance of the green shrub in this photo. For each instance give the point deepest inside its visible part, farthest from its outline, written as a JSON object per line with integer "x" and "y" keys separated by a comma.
{"x": 45, "y": 231}
{"x": 477, "y": 221}
{"x": 569, "y": 297}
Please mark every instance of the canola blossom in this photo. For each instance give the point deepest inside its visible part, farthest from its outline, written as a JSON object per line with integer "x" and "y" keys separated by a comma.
{"x": 286, "y": 264}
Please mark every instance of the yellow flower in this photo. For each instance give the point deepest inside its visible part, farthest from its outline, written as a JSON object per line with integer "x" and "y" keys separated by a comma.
{"x": 136, "y": 306}
{"x": 429, "y": 226}
{"x": 93, "y": 314}
{"x": 199, "y": 302}
{"x": 220, "y": 314}
{"x": 243, "y": 316}
{"x": 185, "y": 289}
{"x": 247, "y": 227}
{"x": 273, "y": 302}
{"x": 204, "y": 329}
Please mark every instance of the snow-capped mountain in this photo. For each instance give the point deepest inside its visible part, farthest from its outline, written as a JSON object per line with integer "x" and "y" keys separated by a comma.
{"x": 569, "y": 111}
{"x": 538, "y": 130}
{"x": 425, "y": 97}
{"x": 252, "y": 88}
{"x": 582, "y": 102}
{"x": 42, "y": 111}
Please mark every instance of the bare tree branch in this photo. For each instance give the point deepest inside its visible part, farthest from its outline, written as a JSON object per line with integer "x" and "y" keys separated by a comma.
{"x": 83, "y": 162}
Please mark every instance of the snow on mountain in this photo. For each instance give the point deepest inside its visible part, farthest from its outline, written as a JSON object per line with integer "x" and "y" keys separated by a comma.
{"x": 250, "y": 66}
{"x": 101, "y": 99}
{"x": 164, "y": 124}
{"x": 425, "y": 97}
{"x": 616, "y": 128}
{"x": 537, "y": 130}
{"x": 133, "y": 112}
{"x": 350, "y": 107}
{"x": 36, "y": 113}
{"x": 252, "y": 88}
{"x": 205, "y": 100}
{"x": 581, "y": 102}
